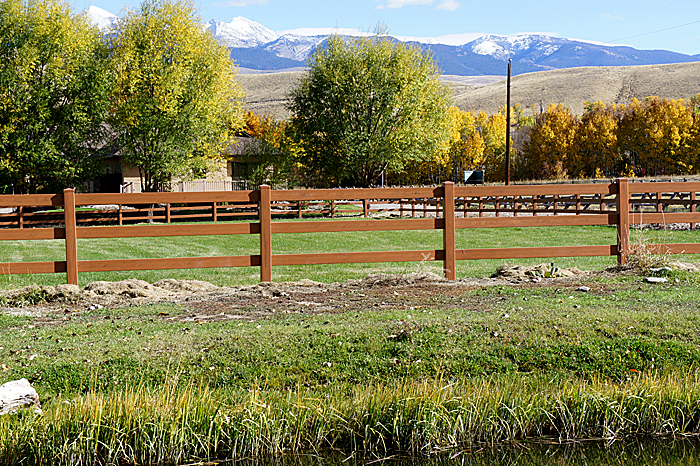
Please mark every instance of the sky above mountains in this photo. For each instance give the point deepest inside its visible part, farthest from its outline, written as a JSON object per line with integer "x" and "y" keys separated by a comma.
{"x": 643, "y": 24}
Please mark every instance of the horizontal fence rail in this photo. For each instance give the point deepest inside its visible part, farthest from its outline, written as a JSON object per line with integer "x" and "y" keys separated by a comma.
{"x": 70, "y": 217}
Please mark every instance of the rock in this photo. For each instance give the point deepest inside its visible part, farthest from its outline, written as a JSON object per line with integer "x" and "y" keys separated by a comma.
{"x": 18, "y": 394}
{"x": 656, "y": 279}
{"x": 585, "y": 289}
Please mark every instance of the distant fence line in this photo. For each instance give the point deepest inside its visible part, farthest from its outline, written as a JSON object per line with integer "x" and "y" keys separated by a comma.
{"x": 445, "y": 208}
{"x": 194, "y": 186}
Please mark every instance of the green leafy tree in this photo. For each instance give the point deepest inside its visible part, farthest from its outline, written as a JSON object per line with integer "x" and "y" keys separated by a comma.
{"x": 462, "y": 151}
{"x": 175, "y": 101}
{"x": 368, "y": 105}
{"x": 53, "y": 88}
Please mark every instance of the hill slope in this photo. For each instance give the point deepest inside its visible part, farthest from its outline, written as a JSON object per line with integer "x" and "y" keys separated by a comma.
{"x": 575, "y": 86}
{"x": 267, "y": 93}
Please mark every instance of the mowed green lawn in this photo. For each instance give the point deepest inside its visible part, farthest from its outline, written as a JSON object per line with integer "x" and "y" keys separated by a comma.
{"x": 233, "y": 245}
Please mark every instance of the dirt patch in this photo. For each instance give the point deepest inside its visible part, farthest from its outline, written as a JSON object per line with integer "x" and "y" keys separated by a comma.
{"x": 206, "y": 302}
{"x": 221, "y": 303}
{"x": 535, "y": 273}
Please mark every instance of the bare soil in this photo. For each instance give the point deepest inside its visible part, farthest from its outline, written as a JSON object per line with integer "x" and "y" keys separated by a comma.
{"x": 207, "y": 302}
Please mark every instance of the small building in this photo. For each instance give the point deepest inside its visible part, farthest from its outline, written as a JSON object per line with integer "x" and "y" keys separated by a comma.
{"x": 121, "y": 177}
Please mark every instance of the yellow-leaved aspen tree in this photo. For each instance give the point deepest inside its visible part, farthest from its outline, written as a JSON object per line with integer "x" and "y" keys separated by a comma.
{"x": 176, "y": 101}
{"x": 53, "y": 91}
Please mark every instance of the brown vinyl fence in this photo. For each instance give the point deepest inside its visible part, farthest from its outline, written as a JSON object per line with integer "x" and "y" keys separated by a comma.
{"x": 445, "y": 208}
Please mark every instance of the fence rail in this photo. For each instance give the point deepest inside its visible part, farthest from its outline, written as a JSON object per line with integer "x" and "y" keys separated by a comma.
{"x": 490, "y": 201}
{"x": 447, "y": 208}
{"x": 194, "y": 186}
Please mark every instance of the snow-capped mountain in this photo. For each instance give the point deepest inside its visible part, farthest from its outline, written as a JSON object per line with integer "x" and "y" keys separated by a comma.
{"x": 294, "y": 47}
{"x": 103, "y": 19}
{"x": 254, "y": 46}
{"x": 242, "y": 32}
{"x": 505, "y": 47}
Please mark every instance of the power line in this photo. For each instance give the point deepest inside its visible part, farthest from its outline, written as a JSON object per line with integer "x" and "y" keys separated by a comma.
{"x": 654, "y": 32}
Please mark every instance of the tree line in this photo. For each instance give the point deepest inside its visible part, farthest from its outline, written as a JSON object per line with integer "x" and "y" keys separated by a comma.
{"x": 651, "y": 137}
{"x": 647, "y": 138}
{"x": 335, "y": 137}
{"x": 160, "y": 91}
{"x": 157, "y": 89}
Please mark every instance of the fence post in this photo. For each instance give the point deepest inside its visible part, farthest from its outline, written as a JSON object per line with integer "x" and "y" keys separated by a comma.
{"x": 265, "y": 211}
{"x": 578, "y": 204}
{"x": 623, "y": 223}
{"x": 448, "y": 232}
{"x": 693, "y": 207}
{"x": 71, "y": 236}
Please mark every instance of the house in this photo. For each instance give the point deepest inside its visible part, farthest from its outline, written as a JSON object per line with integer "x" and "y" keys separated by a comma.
{"x": 121, "y": 177}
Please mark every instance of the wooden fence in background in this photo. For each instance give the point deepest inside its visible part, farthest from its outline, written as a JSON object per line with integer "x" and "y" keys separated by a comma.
{"x": 445, "y": 208}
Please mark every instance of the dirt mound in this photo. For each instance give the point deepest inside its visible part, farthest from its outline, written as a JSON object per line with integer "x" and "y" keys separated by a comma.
{"x": 384, "y": 279}
{"x": 184, "y": 285}
{"x": 265, "y": 299}
{"x": 38, "y": 294}
{"x": 132, "y": 288}
{"x": 272, "y": 289}
{"x": 534, "y": 273}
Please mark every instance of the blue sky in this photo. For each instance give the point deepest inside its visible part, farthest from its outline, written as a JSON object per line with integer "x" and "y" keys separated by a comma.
{"x": 643, "y": 24}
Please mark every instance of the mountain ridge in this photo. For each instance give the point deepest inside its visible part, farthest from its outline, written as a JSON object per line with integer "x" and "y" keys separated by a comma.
{"x": 257, "y": 47}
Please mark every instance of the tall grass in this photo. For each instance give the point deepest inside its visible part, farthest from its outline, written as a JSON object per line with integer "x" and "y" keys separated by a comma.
{"x": 168, "y": 425}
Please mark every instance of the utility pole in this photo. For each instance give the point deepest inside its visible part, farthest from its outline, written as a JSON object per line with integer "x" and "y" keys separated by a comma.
{"x": 508, "y": 126}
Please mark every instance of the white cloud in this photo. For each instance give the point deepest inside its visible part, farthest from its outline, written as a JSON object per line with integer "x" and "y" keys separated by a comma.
{"x": 242, "y": 3}
{"x": 609, "y": 16}
{"x": 449, "y": 5}
{"x": 401, "y": 3}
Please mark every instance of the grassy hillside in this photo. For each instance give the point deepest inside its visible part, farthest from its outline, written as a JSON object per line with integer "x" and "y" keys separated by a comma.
{"x": 573, "y": 87}
{"x": 267, "y": 92}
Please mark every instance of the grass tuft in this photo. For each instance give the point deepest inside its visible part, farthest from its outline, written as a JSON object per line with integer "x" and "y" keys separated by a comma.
{"x": 171, "y": 425}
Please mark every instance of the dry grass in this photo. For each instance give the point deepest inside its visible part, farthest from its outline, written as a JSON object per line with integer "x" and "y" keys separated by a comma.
{"x": 575, "y": 86}
{"x": 572, "y": 87}
{"x": 266, "y": 93}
